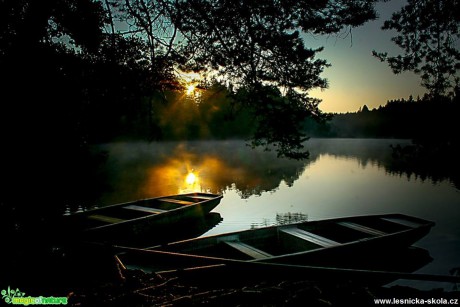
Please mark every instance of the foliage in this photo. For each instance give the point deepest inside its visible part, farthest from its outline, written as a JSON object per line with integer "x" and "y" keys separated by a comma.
{"x": 44, "y": 97}
{"x": 150, "y": 21}
{"x": 279, "y": 119}
{"x": 428, "y": 33}
{"x": 26, "y": 23}
{"x": 252, "y": 45}
{"x": 257, "y": 45}
{"x": 212, "y": 114}
{"x": 255, "y": 42}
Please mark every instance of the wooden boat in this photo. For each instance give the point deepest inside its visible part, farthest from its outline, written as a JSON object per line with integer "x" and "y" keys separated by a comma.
{"x": 379, "y": 269}
{"x": 127, "y": 221}
{"x": 332, "y": 242}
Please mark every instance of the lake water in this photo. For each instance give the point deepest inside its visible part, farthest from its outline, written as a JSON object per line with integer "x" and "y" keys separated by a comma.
{"x": 343, "y": 177}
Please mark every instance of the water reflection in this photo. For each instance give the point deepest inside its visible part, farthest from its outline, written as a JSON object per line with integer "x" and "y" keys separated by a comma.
{"x": 289, "y": 218}
{"x": 140, "y": 170}
{"x": 191, "y": 179}
{"x": 343, "y": 177}
{"x": 281, "y": 219}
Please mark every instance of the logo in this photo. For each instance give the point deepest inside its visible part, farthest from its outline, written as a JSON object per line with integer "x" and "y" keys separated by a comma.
{"x": 16, "y": 297}
{"x": 9, "y": 294}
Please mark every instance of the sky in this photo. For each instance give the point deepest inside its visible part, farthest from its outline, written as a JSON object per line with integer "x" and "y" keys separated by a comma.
{"x": 356, "y": 78}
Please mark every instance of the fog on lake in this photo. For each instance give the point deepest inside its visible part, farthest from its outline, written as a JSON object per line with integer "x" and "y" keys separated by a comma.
{"x": 342, "y": 177}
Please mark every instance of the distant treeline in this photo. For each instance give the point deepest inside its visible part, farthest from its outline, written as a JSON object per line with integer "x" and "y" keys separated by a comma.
{"x": 214, "y": 114}
{"x": 421, "y": 118}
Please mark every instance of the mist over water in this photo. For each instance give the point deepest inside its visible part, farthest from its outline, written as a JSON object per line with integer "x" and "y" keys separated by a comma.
{"x": 343, "y": 177}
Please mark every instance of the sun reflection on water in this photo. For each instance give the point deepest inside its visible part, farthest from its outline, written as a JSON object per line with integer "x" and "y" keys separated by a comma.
{"x": 192, "y": 183}
{"x": 196, "y": 167}
{"x": 191, "y": 178}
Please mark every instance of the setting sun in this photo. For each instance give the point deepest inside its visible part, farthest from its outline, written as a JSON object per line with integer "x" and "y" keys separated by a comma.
{"x": 190, "y": 82}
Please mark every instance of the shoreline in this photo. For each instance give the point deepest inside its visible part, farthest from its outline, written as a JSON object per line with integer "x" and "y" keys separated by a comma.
{"x": 136, "y": 288}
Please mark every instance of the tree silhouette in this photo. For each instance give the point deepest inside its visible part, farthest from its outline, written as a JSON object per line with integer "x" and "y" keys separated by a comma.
{"x": 24, "y": 24}
{"x": 70, "y": 57}
{"x": 150, "y": 20}
{"x": 428, "y": 32}
{"x": 252, "y": 45}
{"x": 43, "y": 95}
{"x": 257, "y": 46}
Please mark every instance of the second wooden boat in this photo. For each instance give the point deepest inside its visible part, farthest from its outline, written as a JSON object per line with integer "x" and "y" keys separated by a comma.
{"x": 332, "y": 242}
{"x": 127, "y": 221}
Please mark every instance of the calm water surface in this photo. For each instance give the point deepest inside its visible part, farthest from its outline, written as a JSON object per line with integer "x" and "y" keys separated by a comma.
{"x": 343, "y": 177}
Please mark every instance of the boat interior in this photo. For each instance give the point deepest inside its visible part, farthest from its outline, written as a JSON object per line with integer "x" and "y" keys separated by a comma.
{"x": 295, "y": 238}
{"x": 139, "y": 209}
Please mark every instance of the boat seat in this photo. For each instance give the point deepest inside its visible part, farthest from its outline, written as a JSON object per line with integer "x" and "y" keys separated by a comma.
{"x": 402, "y": 222}
{"x": 105, "y": 218}
{"x": 362, "y": 228}
{"x": 201, "y": 197}
{"x": 176, "y": 201}
{"x": 308, "y": 236}
{"x": 144, "y": 209}
{"x": 249, "y": 250}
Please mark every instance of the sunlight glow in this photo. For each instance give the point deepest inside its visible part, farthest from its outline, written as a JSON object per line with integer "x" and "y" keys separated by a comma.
{"x": 190, "y": 82}
{"x": 187, "y": 171}
{"x": 191, "y": 178}
{"x": 191, "y": 89}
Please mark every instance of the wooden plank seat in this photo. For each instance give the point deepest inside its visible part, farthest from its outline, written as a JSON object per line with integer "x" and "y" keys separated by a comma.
{"x": 144, "y": 209}
{"x": 249, "y": 250}
{"x": 308, "y": 236}
{"x": 105, "y": 218}
{"x": 402, "y": 222}
{"x": 176, "y": 201}
{"x": 362, "y": 228}
{"x": 201, "y": 197}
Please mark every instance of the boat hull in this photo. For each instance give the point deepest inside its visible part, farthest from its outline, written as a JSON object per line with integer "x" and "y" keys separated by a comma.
{"x": 151, "y": 227}
{"x": 342, "y": 243}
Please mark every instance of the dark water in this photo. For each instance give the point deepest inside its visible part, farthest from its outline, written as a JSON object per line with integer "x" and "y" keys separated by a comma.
{"x": 343, "y": 177}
